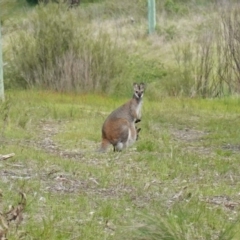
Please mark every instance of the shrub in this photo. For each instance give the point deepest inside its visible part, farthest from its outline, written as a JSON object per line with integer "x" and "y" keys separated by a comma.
{"x": 209, "y": 65}
{"x": 56, "y": 51}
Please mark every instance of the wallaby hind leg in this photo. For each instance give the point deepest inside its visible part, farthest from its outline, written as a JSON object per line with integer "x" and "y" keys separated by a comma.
{"x": 129, "y": 135}
{"x": 122, "y": 137}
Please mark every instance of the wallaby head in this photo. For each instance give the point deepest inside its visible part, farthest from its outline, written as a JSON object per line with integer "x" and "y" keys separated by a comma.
{"x": 138, "y": 90}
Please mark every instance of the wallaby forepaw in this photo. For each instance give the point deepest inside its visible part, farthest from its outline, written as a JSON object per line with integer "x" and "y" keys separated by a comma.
{"x": 138, "y": 120}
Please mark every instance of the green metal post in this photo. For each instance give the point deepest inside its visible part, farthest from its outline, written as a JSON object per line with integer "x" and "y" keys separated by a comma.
{"x": 1, "y": 68}
{"x": 151, "y": 16}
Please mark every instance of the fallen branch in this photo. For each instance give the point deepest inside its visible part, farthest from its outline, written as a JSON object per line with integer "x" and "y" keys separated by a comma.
{"x": 5, "y": 157}
{"x": 15, "y": 214}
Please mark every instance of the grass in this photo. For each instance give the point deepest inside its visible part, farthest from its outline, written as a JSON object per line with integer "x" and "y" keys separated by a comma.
{"x": 179, "y": 181}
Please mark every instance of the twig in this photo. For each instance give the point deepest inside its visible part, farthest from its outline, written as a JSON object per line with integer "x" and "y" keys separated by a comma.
{"x": 5, "y": 157}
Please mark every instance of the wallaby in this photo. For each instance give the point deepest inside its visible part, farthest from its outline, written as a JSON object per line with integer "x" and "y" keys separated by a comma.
{"x": 119, "y": 127}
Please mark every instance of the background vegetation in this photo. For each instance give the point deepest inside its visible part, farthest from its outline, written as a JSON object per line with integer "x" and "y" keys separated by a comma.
{"x": 104, "y": 46}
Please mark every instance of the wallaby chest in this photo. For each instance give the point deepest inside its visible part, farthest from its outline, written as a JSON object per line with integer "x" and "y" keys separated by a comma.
{"x": 138, "y": 109}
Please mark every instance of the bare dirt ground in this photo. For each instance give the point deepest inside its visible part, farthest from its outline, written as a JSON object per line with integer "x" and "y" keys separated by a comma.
{"x": 191, "y": 138}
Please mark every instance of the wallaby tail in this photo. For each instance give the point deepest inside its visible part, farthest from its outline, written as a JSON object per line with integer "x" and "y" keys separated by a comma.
{"x": 104, "y": 145}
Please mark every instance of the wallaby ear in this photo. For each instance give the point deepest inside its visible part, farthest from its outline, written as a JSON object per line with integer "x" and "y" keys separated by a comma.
{"x": 135, "y": 85}
{"x": 138, "y": 130}
{"x": 142, "y": 85}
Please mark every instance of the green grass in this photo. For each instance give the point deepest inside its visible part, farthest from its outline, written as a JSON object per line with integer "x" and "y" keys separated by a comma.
{"x": 179, "y": 181}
